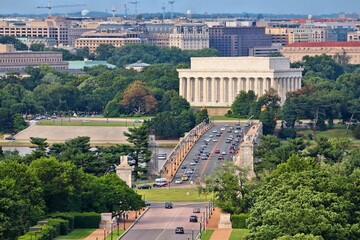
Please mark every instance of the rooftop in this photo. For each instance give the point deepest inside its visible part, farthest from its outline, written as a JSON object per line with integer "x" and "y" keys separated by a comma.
{"x": 324, "y": 44}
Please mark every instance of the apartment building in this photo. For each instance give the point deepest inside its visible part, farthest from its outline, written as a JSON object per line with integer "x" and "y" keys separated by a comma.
{"x": 236, "y": 41}
{"x": 353, "y": 36}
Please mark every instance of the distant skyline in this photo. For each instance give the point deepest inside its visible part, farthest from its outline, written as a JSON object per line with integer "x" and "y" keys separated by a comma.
{"x": 313, "y": 7}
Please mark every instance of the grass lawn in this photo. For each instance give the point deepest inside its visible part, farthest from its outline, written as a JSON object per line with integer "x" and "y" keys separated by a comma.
{"x": 339, "y": 131}
{"x": 115, "y": 234}
{"x": 76, "y": 234}
{"x": 238, "y": 234}
{"x": 207, "y": 235}
{"x": 172, "y": 195}
{"x": 66, "y": 122}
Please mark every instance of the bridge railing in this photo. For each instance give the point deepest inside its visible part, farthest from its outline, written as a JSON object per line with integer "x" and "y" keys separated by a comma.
{"x": 176, "y": 156}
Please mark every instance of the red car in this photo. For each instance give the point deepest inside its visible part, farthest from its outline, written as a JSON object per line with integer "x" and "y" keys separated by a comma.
{"x": 232, "y": 151}
{"x": 217, "y": 151}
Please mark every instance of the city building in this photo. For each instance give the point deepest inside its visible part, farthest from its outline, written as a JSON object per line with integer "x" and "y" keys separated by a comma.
{"x": 296, "y": 51}
{"x": 216, "y": 81}
{"x": 50, "y": 29}
{"x": 138, "y": 66}
{"x": 157, "y": 34}
{"x": 94, "y": 38}
{"x": 353, "y": 36}
{"x": 189, "y": 36}
{"x": 17, "y": 61}
{"x": 236, "y": 41}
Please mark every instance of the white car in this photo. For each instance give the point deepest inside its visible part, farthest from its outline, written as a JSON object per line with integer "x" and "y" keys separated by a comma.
{"x": 223, "y": 153}
{"x": 178, "y": 181}
{"x": 215, "y": 131}
{"x": 215, "y": 140}
{"x": 192, "y": 163}
{"x": 223, "y": 129}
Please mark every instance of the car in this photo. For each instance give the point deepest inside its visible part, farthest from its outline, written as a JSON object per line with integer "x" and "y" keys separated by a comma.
{"x": 147, "y": 203}
{"x": 193, "y": 163}
{"x": 215, "y": 131}
{"x": 145, "y": 186}
{"x": 223, "y": 153}
{"x": 10, "y": 138}
{"x": 236, "y": 131}
{"x": 217, "y": 151}
{"x": 223, "y": 129}
{"x": 178, "y": 181}
{"x": 137, "y": 121}
{"x": 184, "y": 178}
{"x": 190, "y": 171}
{"x": 228, "y": 141}
{"x": 196, "y": 210}
{"x": 229, "y": 131}
{"x": 183, "y": 167}
{"x": 218, "y": 135}
{"x": 193, "y": 218}
{"x": 220, "y": 157}
{"x": 226, "y": 125}
{"x": 204, "y": 157}
{"x": 169, "y": 205}
{"x": 215, "y": 140}
{"x": 232, "y": 151}
{"x": 196, "y": 160}
{"x": 211, "y": 136}
{"x": 179, "y": 230}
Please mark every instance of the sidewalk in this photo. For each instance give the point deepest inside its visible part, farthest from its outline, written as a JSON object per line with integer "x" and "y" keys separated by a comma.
{"x": 218, "y": 234}
{"x": 98, "y": 234}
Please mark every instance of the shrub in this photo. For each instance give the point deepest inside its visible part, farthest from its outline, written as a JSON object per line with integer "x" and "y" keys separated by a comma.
{"x": 356, "y": 132}
{"x": 239, "y": 220}
{"x": 66, "y": 216}
{"x": 61, "y": 225}
{"x": 287, "y": 133}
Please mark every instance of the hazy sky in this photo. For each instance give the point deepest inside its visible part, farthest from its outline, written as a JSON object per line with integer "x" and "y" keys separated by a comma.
{"x": 196, "y": 6}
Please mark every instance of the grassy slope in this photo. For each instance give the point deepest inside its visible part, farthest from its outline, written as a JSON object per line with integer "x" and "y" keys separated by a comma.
{"x": 76, "y": 234}
{"x": 172, "y": 195}
{"x": 238, "y": 234}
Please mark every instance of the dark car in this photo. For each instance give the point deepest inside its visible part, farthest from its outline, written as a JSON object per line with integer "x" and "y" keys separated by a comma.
{"x": 10, "y": 138}
{"x": 145, "y": 186}
{"x": 183, "y": 166}
{"x": 147, "y": 203}
{"x": 168, "y": 205}
{"x": 220, "y": 157}
{"x": 179, "y": 230}
{"x": 193, "y": 218}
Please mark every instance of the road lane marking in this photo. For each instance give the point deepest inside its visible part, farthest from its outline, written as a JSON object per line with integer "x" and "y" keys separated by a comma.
{"x": 166, "y": 228}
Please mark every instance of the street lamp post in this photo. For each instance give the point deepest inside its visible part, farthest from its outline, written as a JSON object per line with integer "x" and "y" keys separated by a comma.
{"x": 124, "y": 220}
{"x": 192, "y": 234}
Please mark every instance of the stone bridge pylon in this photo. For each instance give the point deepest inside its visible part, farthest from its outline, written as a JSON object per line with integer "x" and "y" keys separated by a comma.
{"x": 245, "y": 157}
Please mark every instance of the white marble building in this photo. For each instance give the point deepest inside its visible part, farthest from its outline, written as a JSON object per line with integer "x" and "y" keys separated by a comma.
{"x": 216, "y": 81}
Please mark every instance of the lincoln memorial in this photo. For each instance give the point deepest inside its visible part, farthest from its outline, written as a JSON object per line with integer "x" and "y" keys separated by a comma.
{"x": 216, "y": 81}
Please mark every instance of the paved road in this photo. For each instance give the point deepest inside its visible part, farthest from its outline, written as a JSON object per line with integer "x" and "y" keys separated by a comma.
{"x": 206, "y": 167}
{"x": 159, "y": 223}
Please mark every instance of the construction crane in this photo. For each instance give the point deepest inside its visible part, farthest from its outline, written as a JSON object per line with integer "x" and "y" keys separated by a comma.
{"x": 49, "y": 6}
{"x": 117, "y": 9}
{"x": 135, "y": 5}
{"x": 171, "y": 2}
{"x": 163, "y": 11}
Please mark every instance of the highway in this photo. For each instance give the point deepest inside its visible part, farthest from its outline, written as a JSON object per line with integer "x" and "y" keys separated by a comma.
{"x": 215, "y": 142}
{"x": 159, "y": 223}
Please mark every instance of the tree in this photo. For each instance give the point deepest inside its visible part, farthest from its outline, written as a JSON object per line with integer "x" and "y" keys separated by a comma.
{"x": 230, "y": 187}
{"x": 37, "y": 47}
{"x": 61, "y": 182}
{"x": 109, "y": 193}
{"x": 306, "y": 201}
{"x": 20, "y": 198}
{"x": 19, "y": 46}
{"x": 138, "y": 136}
{"x": 243, "y": 103}
{"x": 202, "y": 116}
{"x": 104, "y": 51}
{"x": 137, "y": 99}
{"x": 41, "y": 146}
{"x": 268, "y": 120}
{"x": 178, "y": 104}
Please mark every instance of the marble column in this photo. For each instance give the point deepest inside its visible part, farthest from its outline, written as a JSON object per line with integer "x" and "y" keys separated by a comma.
{"x": 213, "y": 92}
{"x": 188, "y": 87}
{"x": 196, "y": 94}
{"x": 247, "y": 84}
{"x": 222, "y": 83}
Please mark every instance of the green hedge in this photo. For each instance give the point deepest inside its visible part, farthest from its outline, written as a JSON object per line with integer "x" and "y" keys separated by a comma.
{"x": 79, "y": 220}
{"x": 47, "y": 232}
{"x": 61, "y": 225}
{"x": 239, "y": 220}
{"x": 87, "y": 220}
